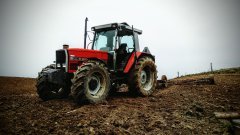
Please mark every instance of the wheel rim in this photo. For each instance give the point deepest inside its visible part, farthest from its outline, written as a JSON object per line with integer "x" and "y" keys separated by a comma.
{"x": 55, "y": 89}
{"x": 143, "y": 77}
{"x": 147, "y": 78}
{"x": 94, "y": 84}
{"x": 58, "y": 90}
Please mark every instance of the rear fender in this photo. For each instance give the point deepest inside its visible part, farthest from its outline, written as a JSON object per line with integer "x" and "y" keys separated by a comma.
{"x": 148, "y": 55}
{"x": 130, "y": 62}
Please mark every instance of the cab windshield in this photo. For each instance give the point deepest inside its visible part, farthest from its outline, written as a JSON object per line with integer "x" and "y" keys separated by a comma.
{"x": 105, "y": 40}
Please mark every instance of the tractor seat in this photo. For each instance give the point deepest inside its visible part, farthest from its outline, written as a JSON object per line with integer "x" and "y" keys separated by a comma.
{"x": 122, "y": 49}
{"x": 121, "y": 55}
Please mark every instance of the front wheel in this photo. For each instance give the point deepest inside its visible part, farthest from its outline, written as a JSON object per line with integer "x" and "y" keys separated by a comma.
{"x": 143, "y": 78}
{"x": 91, "y": 83}
{"x": 47, "y": 91}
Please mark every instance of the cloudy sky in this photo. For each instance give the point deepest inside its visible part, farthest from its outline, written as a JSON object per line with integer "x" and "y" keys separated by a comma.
{"x": 184, "y": 35}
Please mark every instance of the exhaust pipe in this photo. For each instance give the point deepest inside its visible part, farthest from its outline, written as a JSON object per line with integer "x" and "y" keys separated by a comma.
{"x": 65, "y": 46}
{"x": 85, "y": 33}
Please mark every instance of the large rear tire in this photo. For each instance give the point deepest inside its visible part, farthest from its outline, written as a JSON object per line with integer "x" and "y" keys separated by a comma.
{"x": 143, "y": 77}
{"x": 91, "y": 83}
{"x": 48, "y": 91}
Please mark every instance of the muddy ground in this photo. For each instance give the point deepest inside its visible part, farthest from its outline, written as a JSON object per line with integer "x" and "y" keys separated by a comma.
{"x": 178, "y": 109}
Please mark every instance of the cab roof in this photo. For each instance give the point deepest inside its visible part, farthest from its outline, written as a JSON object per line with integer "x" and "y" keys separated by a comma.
{"x": 123, "y": 26}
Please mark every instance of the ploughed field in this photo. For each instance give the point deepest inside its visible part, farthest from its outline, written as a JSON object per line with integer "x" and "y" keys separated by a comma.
{"x": 178, "y": 109}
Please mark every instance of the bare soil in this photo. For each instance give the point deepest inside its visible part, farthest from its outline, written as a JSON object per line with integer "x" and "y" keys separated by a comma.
{"x": 178, "y": 109}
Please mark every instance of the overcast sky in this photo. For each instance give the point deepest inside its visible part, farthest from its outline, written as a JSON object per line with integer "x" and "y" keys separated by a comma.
{"x": 184, "y": 35}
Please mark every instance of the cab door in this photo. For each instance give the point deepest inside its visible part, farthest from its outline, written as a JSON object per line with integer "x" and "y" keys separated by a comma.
{"x": 124, "y": 51}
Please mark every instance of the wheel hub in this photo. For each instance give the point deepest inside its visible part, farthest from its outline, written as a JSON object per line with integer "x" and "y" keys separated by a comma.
{"x": 143, "y": 77}
{"x": 94, "y": 85}
{"x": 59, "y": 90}
{"x": 147, "y": 78}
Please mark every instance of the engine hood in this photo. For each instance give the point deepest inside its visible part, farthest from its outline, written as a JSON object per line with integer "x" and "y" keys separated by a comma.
{"x": 87, "y": 53}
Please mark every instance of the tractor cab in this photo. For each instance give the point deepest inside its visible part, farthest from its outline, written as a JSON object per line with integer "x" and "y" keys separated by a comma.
{"x": 119, "y": 40}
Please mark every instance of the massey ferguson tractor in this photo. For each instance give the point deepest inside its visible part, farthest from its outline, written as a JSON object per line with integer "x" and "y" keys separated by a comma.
{"x": 89, "y": 75}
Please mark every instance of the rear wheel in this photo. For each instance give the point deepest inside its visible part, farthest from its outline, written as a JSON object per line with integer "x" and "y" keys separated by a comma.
{"x": 91, "y": 83}
{"x": 143, "y": 78}
{"x": 46, "y": 90}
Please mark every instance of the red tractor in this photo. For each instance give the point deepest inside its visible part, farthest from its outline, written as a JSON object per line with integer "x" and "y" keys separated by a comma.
{"x": 90, "y": 74}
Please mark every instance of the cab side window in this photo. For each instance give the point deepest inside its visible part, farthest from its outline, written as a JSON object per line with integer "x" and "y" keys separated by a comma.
{"x": 129, "y": 41}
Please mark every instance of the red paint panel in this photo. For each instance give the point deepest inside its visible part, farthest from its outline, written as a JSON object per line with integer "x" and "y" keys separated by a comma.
{"x": 85, "y": 53}
{"x": 131, "y": 62}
